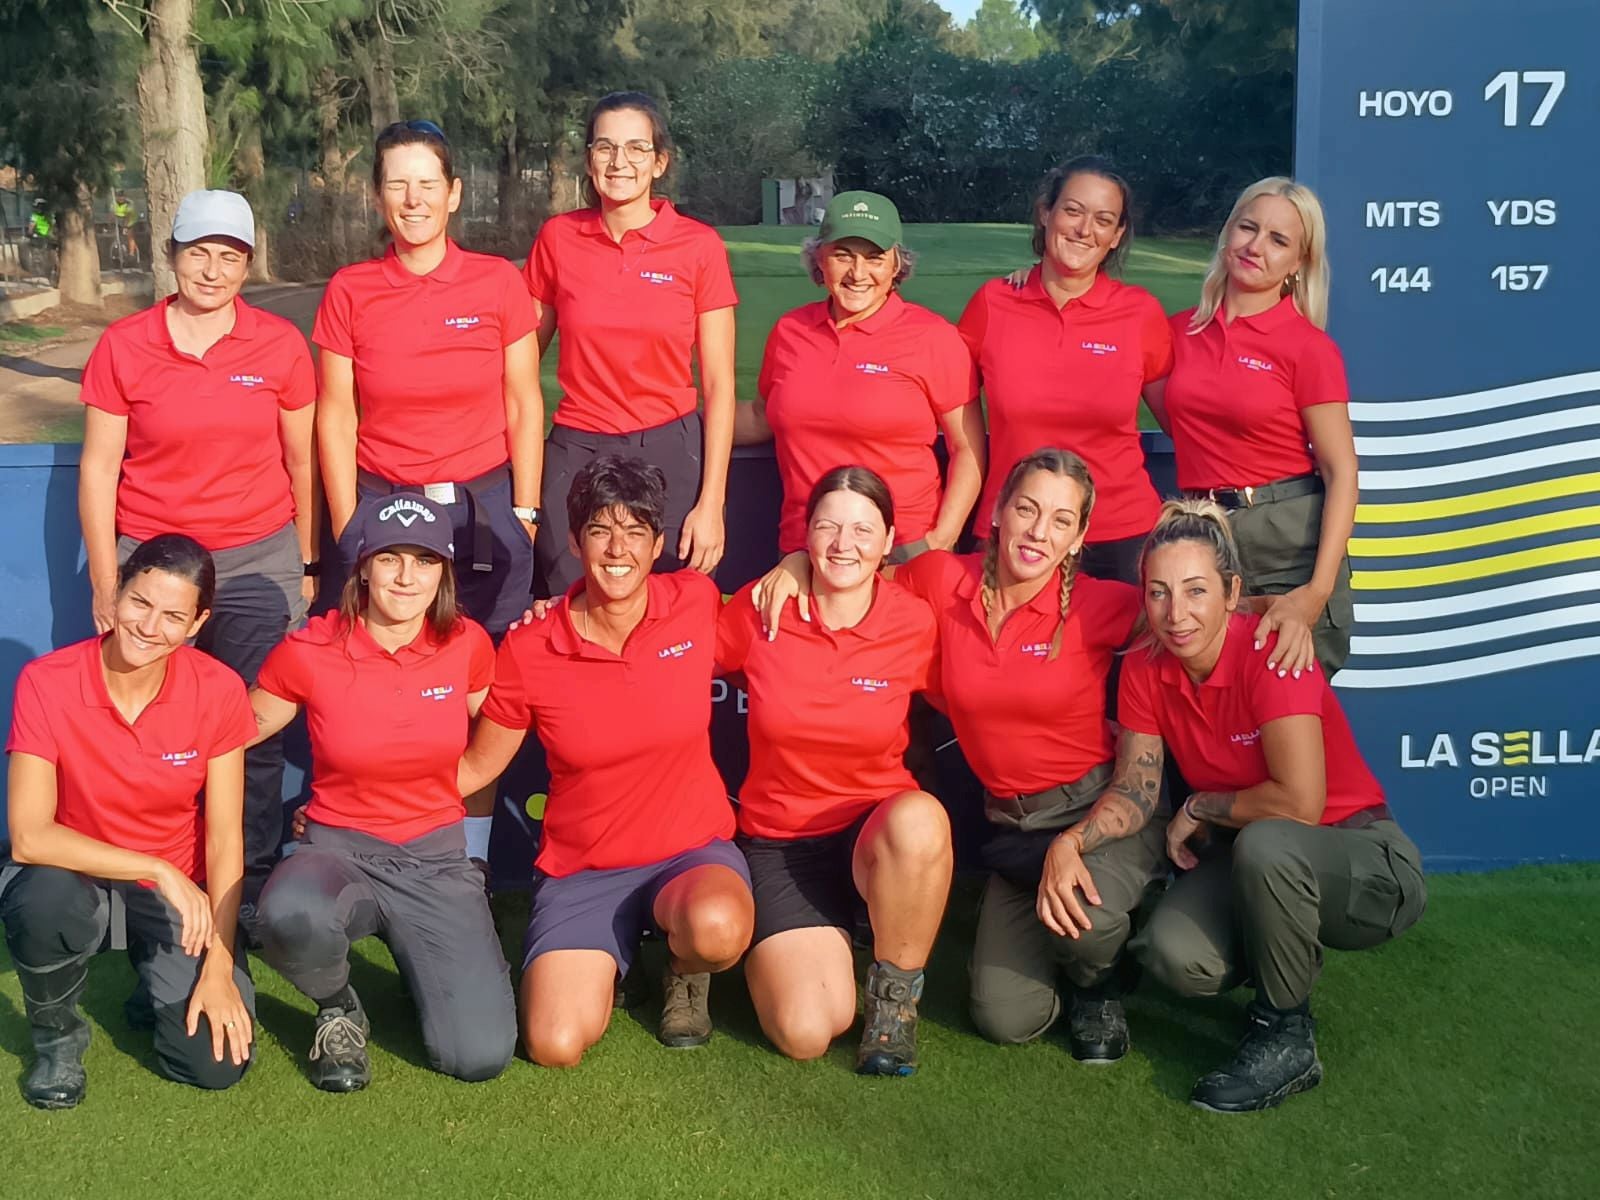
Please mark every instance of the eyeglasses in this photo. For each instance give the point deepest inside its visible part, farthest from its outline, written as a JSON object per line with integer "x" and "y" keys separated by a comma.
{"x": 636, "y": 151}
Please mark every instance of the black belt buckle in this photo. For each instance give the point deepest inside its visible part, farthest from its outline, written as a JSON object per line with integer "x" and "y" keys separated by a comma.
{"x": 1233, "y": 497}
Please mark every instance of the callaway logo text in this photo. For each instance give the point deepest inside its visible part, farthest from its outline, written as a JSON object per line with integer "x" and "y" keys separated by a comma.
{"x": 406, "y": 512}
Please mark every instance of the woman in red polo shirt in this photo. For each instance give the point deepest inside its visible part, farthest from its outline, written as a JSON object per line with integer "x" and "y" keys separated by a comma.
{"x": 1026, "y": 642}
{"x": 127, "y": 776}
{"x": 198, "y": 419}
{"x": 864, "y": 376}
{"x": 390, "y": 682}
{"x": 1286, "y": 843}
{"x": 829, "y": 816}
{"x": 616, "y": 681}
{"x": 1258, "y": 409}
{"x": 1064, "y": 359}
{"x": 636, "y": 289}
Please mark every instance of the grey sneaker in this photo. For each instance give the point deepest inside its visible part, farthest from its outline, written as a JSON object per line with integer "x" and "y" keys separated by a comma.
{"x": 685, "y": 1016}
{"x": 1276, "y": 1058}
{"x": 339, "y": 1049}
{"x": 889, "y": 1022}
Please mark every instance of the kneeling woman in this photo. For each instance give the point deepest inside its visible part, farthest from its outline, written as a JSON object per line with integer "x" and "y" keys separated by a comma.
{"x": 390, "y": 682}
{"x": 829, "y": 815}
{"x": 1317, "y": 859}
{"x": 118, "y": 745}
{"x": 616, "y": 681}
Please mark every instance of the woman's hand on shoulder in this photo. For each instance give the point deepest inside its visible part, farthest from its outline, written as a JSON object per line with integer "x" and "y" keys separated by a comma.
{"x": 1291, "y": 616}
{"x": 790, "y": 579}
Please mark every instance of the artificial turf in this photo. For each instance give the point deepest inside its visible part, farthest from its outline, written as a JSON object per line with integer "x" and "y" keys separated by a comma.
{"x": 1461, "y": 1061}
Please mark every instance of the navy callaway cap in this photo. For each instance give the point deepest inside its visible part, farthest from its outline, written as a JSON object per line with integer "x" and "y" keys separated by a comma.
{"x": 403, "y": 520}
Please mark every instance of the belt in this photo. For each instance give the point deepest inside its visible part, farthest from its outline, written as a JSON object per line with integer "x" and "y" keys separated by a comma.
{"x": 1279, "y": 489}
{"x": 482, "y": 534}
{"x": 1361, "y": 818}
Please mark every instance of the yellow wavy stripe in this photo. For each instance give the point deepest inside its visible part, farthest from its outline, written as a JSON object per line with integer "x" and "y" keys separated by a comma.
{"x": 1476, "y": 535}
{"x": 1494, "y": 564}
{"x": 1460, "y": 506}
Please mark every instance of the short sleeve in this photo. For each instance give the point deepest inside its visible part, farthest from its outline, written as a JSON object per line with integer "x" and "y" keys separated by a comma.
{"x": 480, "y": 658}
{"x": 301, "y": 387}
{"x": 1319, "y": 376}
{"x": 286, "y": 673}
{"x": 101, "y": 388}
{"x": 30, "y": 721}
{"x": 517, "y": 319}
{"x": 1112, "y": 610}
{"x": 974, "y": 325}
{"x": 713, "y": 284}
{"x": 769, "y": 358}
{"x": 334, "y": 327}
{"x": 234, "y": 724}
{"x": 1155, "y": 337}
{"x": 508, "y": 703}
{"x": 1136, "y": 698}
{"x": 930, "y": 575}
{"x": 539, "y": 272}
{"x": 950, "y": 377}
{"x": 736, "y": 629}
{"x": 1273, "y": 696}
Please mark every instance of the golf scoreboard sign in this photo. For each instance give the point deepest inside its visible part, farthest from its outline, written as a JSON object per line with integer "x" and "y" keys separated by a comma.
{"x": 1456, "y": 147}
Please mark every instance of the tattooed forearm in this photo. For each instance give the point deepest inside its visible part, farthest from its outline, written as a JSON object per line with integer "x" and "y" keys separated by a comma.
{"x": 1216, "y": 807}
{"x": 1130, "y": 799}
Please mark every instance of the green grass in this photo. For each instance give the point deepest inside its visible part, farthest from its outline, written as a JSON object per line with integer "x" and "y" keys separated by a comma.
{"x": 1461, "y": 1061}
{"x": 26, "y": 335}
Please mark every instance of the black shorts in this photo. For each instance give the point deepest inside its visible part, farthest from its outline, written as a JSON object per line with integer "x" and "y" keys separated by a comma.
{"x": 803, "y": 882}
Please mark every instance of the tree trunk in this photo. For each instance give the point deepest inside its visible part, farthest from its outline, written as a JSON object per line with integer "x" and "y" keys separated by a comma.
{"x": 381, "y": 93}
{"x": 332, "y": 164}
{"x": 172, "y": 118}
{"x": 80, "y": 254}
{"x": 508, "y": 195}
{"x": 253, "y": 172}
{"x": 565, "y": 187}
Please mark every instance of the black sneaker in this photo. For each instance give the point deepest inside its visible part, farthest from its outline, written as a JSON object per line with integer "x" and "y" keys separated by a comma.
{"x": 1097, "y": 1028}
{"x": 339, "y": 1049}
{"x": 1276, "y": 1058}
{"x": 889, "y": 1022}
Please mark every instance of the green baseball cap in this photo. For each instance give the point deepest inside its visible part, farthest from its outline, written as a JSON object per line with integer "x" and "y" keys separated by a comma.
{"x": 865, "y": 215}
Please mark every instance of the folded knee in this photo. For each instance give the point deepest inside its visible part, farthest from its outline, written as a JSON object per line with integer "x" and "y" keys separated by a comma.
{"x": 556, "y": 1045}
{"x": 916, "y": 829}
{"x": 1012, "y": 1022}
{"x": 1181, "y": 967}
{"x": 800, "y": 1035}
{"x": 477, "y": 1062}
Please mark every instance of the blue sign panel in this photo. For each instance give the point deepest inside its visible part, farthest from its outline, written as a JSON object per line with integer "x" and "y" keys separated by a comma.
{"x": 1456, "y": 147}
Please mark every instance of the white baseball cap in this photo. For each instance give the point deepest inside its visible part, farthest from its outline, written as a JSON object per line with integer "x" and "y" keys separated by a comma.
{"x": 206, "y": 214}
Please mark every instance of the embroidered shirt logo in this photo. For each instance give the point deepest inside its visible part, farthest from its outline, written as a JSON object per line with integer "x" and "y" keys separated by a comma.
{"x": 405, "y": 511}
{"x": 868, "y": 684}
{"x": 443, "y": 692}
{"x": 1036, "y": 649}
{"x": 872, "y": 368}
{"x": 657, "y": 277}
{"x": 1249, "y": 738}
{"x": 180, "y": 758}
{"x": 462, "y": 322}
{"x": 676, "y": 650}
{"x": 1255, "y": 364}
{"x": 246, "y": 380}
{"x": 1099, "y": 348}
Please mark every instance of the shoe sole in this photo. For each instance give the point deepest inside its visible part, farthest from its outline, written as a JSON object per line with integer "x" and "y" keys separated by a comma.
{"x": 1294, "y": 1087}
{"x": 54, "y": 1105}
{"x": 1097, "y": 1057}
{"x": 683, "y": 1043}
{"x": 887, "y": 1068}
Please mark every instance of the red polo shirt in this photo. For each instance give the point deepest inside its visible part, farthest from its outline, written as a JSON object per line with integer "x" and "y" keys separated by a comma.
{"x": 1236, "y": 392}
{"x": 138, "y": 786}
{"x": 1213, "y": 730}
{"x": 827, "y": 710}
{"x": 869, "y": 394}
{"x": 1024, "y": 723}
{"x": 429, "y": 355}
{"x": 1070, "y": 377}
{"x": 387, "y": 729}
{"x": 627, "y": 313}
{"x": 205, "y": 453}
{"x": 627, "y": 738}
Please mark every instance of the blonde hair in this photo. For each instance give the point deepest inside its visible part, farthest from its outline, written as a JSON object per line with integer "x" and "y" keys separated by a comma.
{"x": 1190, "y": 520}
{"x": 1058, "y": 462}
{"x": 1308, "y": 285}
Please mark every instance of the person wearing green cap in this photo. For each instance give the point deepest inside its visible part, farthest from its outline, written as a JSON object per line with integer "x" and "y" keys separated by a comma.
{"x": 865, "y": 377}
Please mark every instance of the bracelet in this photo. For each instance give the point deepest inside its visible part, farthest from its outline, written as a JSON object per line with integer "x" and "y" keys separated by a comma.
{"x": 312, "y": 569}
{"x": 1189, "y": 812}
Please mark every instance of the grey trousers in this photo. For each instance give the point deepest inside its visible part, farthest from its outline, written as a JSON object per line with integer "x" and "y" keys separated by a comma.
{"x": 56, "y": 918}
{"x": 1017, "y": 963}
{"x": 1266, "y": 906}
{"x": 425, "y": 900}
{"x": 258, "y": 601}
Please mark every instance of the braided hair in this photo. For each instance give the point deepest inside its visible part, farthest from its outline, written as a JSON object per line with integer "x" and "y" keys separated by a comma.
{"x": 1057, "y": 462}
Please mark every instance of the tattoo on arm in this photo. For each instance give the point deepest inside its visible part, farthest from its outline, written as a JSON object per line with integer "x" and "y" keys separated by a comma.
{"x": 1128, "y": 802}
{"x": 1216, "y": 807}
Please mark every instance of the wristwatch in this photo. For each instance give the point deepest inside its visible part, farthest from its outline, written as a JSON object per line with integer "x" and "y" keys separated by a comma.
{"x": 313, "y": 569}
{"x": 528, "y": 513}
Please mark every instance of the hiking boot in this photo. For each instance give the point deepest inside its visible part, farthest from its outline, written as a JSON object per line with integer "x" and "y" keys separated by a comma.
{"x": 60, "y": 1035}
{"x": 339, "y": 1048}
{"x": 685, "y": 1018}
{"x": 1097, "y": 1027}
{"x": 889, "y": 1021}
{"x": 1276, "y": 1058}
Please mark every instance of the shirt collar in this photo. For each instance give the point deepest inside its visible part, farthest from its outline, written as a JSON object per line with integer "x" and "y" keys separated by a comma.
{"x": 245, "y": 321}
{"x": 659, "y": 230}
{"x": 448, "y": 271}
{"x": 92, "y": 679}
{"x": 1279, "y": 315}
{"x": 880, "y": 320}
{"x": 970, "y": 589}
{"x": 564, "y": 636}
{"x": 361, "y": 645}
{"x": 871, "y": 626}
{"x": 1098, "y": 295}
{"x": 1236, "y": 643}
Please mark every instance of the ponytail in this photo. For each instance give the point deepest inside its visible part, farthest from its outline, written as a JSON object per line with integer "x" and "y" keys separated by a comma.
{"x": 1192, "y": 519}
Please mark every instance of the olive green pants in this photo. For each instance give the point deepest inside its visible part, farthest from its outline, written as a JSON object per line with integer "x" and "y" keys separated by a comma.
{"x": 1266, "y": 905}
{"x": 1278, "y": 550}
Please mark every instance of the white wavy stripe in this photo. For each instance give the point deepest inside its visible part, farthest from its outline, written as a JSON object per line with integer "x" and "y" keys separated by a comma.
{"x": 1468, "y": 668}
{"x": 1472, "y": 602}
{"x": 1477, "y": 435}
{"x": 1471, "y": 402}
{"x": 1481, "y": 468}
{"x": 1472, "y": 635}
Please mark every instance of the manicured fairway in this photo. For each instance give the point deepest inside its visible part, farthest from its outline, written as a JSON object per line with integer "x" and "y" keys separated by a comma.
{"x": 1461, "y": 1062}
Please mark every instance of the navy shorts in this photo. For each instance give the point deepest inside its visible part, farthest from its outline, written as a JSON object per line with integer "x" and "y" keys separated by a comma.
{"x": 800, "y": 883}
{"x": 609, "y": 909}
